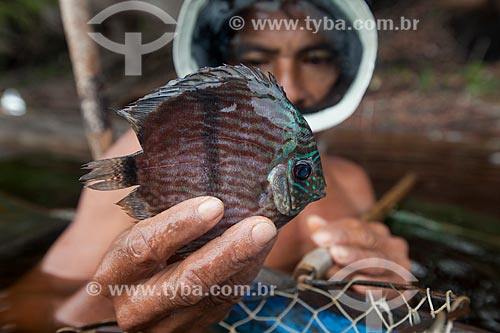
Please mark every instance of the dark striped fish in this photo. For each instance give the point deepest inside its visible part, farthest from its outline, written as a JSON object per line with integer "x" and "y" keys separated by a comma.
{"x": 228, "y": 132}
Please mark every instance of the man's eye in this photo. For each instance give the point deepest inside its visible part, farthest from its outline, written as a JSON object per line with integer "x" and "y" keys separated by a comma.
{"x": 319, "y": 57}
{"x": 318, "y": 60}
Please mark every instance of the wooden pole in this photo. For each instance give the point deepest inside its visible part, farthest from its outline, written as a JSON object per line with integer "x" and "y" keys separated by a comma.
{"x": 87, "y": 71}
{"x": 390, "y": 199}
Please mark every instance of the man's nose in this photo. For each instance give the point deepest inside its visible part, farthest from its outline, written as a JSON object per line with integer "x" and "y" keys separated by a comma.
{"x": 288, "y": 75}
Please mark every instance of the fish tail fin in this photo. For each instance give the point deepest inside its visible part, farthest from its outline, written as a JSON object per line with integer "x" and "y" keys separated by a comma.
{"x": 135, "y": 206}
{"x": 111, "y": 174}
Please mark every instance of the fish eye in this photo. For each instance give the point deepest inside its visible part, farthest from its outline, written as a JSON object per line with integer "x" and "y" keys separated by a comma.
{"x": 302, "y": 170}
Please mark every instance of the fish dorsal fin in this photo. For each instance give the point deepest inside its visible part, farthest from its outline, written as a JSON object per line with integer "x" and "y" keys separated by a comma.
{"x": 206, "y": 77}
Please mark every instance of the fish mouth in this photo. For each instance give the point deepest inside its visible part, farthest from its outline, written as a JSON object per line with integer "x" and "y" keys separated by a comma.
{"x": 320, "y": 195}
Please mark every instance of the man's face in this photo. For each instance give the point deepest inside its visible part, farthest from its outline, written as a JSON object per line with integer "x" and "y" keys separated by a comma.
{"x": 302, "y": 61}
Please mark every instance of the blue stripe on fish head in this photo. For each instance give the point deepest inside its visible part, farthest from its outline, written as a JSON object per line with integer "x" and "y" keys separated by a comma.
{"x": 307, "y": 183}
{"x": 297, "y": 176}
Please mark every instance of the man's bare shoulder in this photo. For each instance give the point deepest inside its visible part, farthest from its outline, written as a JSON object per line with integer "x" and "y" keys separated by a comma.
{"x": 126, "y": 144}
{"x": 345, "y": 170}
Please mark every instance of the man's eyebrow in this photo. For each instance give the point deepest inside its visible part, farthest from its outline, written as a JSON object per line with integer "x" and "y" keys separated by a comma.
{"x": 241, "y": 49}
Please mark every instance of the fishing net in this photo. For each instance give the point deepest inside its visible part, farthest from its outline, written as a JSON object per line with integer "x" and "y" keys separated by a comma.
{"x": 329, "y": 306}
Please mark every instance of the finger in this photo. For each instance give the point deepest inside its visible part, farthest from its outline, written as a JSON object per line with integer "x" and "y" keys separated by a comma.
{"x": 152, "y": 241}
{"x": 235, "y": 250}
{"x": 379, "y": 228}
{"x": 194, "y": 319}
{"x": 398, "y": 248}
{"x": 213, "y": 308}
{"x": 347, "y": 255}
{"x": 349, "y": 232}
{"x": 333, "y": 270}
{"x": 213, "y": 264}
{"x": 379, "y": 264}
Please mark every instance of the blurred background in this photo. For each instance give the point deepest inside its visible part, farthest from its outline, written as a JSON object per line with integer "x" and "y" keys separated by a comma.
{"x": 433, "y": 107}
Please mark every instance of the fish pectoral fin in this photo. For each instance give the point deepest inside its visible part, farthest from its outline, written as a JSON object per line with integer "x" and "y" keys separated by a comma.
{"x": 280, "y": 190}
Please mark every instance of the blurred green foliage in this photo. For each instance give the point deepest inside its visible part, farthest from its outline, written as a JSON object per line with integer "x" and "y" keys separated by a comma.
{"x": 426, "y": 78}
{"x": 23, "y": 13}
{"x": 43, "y": 179}
{"x": 479, "y": 81}
{"x": 30, "y": 32}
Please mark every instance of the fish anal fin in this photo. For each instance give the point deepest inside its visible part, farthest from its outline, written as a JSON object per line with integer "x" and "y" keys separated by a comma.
{"x": 135, "y": 206}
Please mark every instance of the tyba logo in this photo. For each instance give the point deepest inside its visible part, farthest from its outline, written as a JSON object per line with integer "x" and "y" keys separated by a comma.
{"x": 133, "y": 48}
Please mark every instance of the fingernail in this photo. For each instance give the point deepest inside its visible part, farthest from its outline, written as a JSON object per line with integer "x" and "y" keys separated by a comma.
{"x": 314, "y": 223}
{"x": 339, "y": 253}
{"x": 263, "y": 233}
{"x": 322, "y": 238}
{"x": 210, "y": 209}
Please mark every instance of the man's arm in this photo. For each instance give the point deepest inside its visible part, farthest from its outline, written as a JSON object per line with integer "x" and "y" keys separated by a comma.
{"x": 32, "y": 302}
{"x": 98, "y": 221}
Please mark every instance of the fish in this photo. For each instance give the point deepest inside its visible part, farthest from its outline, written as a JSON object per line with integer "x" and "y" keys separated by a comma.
{"x": 228, "y": 132}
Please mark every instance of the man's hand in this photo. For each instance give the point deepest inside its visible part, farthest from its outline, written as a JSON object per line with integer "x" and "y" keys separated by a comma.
{"x": 350, "y": 240}
{"x": 139, "y": 256}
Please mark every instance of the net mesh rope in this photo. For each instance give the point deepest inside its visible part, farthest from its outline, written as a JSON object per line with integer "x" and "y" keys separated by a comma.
{"x": 425, "y": 311}
{"x": 434, "y": 308}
